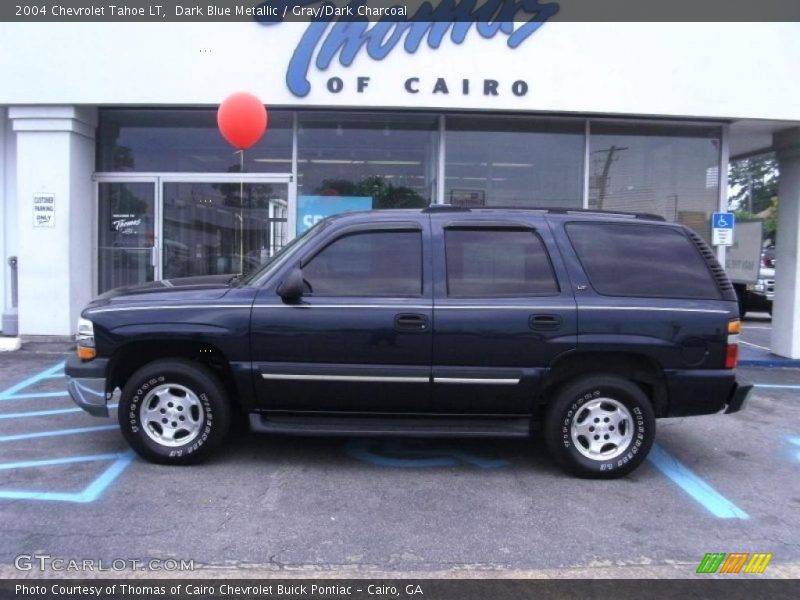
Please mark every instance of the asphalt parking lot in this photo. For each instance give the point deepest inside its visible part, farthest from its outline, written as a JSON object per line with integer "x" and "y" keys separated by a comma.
{"x": 294, "y": 506}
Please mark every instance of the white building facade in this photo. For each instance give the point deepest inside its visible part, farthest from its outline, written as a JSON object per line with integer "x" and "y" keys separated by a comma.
{"x": 113, "y": 171}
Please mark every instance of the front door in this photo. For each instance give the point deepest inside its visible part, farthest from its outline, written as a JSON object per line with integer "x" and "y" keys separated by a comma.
{"x": 126, "y": 236}
{"x": 224, "y": 226}
{"x": 360, "y": 339}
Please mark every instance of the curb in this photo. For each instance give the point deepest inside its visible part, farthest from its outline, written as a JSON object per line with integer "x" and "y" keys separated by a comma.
{"x": 786, "y": 363}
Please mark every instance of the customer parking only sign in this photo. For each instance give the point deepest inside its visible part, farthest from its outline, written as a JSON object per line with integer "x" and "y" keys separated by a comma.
{"x": 722, "y": 228}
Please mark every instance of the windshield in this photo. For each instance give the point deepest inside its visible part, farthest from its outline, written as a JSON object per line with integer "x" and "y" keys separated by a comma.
{"x": 281, "y": 256}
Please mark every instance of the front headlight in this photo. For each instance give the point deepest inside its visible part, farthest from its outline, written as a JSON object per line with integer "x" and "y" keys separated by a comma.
{"x": 85, "y": 339}
{"x": 760, "y": 285}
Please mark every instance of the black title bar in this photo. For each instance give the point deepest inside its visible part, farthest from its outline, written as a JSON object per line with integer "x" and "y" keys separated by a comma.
{"x": 488, "y": 11}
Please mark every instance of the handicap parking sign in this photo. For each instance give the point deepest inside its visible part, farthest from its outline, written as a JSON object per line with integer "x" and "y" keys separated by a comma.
{"x": 722, "y": 225}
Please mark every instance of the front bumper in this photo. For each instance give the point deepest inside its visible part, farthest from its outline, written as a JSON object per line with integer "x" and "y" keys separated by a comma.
{"x": 86, "y": 383}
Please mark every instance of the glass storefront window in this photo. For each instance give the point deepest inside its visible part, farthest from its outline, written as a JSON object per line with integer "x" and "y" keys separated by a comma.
{"x": 175, "y": 140}
{"x": 513, "y": 161}
{"x": 667, "y": 170}
{"x": 350, "y": 161}
{"x": 211, "y": 229}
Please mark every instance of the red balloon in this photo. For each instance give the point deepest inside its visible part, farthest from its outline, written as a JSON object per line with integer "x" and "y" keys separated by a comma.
{"x": 242, "y": 119}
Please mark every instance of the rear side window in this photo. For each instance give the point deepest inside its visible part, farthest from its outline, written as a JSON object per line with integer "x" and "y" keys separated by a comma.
{"x": 497, "y": 262}
{"x": 641, "y": 260}
{"x": 382, "y": 263}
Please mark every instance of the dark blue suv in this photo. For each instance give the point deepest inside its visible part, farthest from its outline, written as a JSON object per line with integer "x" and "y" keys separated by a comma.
{"x": 434, "y": 322}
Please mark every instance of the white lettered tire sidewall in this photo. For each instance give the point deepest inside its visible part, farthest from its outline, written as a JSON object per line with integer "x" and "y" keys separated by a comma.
{"x": 567, "y": 403}
{"x": 197, "y": 378}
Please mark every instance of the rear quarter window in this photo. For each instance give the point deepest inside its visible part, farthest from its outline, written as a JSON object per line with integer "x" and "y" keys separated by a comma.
{"x": 624, "y": 259}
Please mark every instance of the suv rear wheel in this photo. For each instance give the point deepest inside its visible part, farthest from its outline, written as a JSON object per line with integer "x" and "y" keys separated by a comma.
{"x": 174, "y": 412}
{"x": 600, "y": 426}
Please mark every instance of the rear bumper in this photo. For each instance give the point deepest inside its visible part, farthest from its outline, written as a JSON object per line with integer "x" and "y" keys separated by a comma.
{"x": 86, "y": 384}
{"x": 704, "y": 392}
{"x": 738, "y": 397}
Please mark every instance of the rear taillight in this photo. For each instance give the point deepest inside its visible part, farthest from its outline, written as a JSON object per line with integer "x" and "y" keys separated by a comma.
{"x": 732, "y": 348}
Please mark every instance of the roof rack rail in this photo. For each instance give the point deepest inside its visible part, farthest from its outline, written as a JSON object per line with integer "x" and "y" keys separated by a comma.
{"x": 610, "y": 213}
{"x": 558, "y": 210}
{"x": 432, "y": 208}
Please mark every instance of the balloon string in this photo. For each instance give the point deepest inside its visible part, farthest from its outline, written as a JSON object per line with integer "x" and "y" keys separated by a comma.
{"x": 241, "y": 211}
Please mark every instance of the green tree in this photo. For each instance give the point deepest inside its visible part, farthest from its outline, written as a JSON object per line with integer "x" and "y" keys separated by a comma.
{"x": 754, "y": 184}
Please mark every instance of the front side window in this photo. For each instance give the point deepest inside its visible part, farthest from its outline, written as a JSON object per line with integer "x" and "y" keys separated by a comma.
{"x": 623, "y": 259}
{"x": 496, "y": 263}
{"x": 381, "y": 263}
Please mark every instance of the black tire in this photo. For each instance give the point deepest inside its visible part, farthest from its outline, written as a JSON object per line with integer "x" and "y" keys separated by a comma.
{"x": 572, "y": 404}
{"x": 180, "y": 383}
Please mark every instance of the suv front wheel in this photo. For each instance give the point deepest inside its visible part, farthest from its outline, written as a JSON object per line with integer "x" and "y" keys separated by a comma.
{"x": 174, "y": 411}
{"x": 600, "y": 426}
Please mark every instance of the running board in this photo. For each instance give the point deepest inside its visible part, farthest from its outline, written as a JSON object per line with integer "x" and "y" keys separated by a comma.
{"x": 391, "y": 425}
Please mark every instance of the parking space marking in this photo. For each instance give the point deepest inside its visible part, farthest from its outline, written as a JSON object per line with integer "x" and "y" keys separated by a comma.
{"x": 25, "y": 464}
{"x": 91, "y": 493}
{"x": 44, "y": 413}
{"x": 8, "y": 394}
{"x": 796, "y": 442}
{"x": 37, "y": 395}
{"x": 741, "y": 341}
{"x": 55, "y": 432}
{"x": 777, "y": 386}
{"x": 714, "y": 502}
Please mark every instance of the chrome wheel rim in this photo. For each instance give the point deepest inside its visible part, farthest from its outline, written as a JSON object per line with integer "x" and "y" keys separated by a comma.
{"x": 171, "y": 415}
{"x": 602, "y": 429}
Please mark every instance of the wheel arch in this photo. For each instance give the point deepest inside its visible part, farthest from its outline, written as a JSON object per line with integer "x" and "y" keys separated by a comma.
{"x": 129, "y": 358}
{"x": 643, "y": 370}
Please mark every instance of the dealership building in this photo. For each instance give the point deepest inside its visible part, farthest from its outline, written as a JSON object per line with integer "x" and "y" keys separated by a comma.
{"x": 113, "y": 171}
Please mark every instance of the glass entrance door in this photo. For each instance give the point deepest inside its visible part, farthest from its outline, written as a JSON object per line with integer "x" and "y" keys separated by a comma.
{"x": 126, "y": 234}
{"x": 217, "y": 227}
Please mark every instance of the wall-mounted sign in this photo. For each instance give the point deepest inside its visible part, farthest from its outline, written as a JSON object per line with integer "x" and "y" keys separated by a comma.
{"x": 722, "y": 225}
{"x": 311, "y": 209}
{"x": 468, "y": 198}
{"x": 44, "y": 210}
{"x": 125, "y": 223}
{"x": 346, "y": 32}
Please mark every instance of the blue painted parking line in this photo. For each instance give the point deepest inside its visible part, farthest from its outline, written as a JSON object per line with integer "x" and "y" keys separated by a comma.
{"x": 36, "y": 395}
{"x": 27, "y": 464}
{"x": 777, "y": 386}
{"x": 714, "y": 502}
{"x": 796, "y": 442}
{"x": 55, "y": 432}
{"x": 91, "y": 493}
{"x": 47, "y": 373}
{"x": 45, "y": 413}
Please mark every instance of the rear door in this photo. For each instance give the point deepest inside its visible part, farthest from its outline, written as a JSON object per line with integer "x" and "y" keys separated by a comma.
{"x": 503, "y": 310}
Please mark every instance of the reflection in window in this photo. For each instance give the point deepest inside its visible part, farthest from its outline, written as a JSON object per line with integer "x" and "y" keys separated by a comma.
{"x": 641, "y": 260}
{"x": 494, "y": 263}
{"x": 514, "y": 161}
{"x": 210, "y": 229}
{"x": 172, "y": 140}
{"x": 672, "y": 171}
{"x": 387, "y": 159}
{"x": 368, "y": 264}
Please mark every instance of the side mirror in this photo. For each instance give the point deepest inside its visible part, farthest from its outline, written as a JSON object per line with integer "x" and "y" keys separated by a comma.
{"x": 291, "y": 289}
